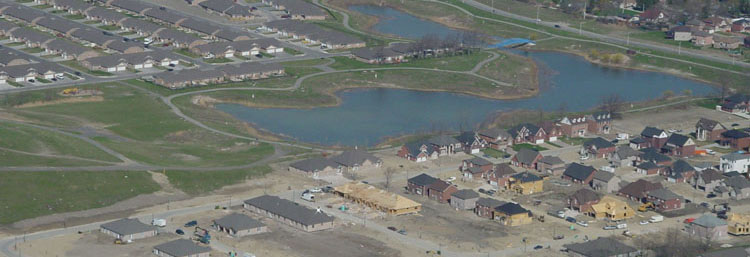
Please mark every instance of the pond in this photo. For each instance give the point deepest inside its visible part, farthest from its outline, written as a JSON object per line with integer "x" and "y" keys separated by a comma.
{"x": 367, "y": 116}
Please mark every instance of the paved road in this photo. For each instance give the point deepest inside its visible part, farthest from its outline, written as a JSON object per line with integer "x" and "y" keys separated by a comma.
{"x": 605, "y": 38}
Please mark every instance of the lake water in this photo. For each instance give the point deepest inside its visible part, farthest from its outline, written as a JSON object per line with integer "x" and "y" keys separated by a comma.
{"x": 366, "y": 116}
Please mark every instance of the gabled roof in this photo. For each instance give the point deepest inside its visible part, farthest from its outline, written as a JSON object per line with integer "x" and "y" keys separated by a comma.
{"x": 599, "y": 143}
{"x": 527, "y": 156}
{"x": 525, "y": 177}
{"x": 489, "y": 202}
{"x": 602, "y": 116}
{"x": 442, "y": 140}
{"x": 625, "y": 151}
{"x": 678, "y": 140}
{"x": 127, "y": 227}
{"x": 637, "y": 140}
{"x": 422, "y": 180}
{"x": 533, "y": 129}
{"x": 478, "y": 161}
{"x": 709, "y": 221}
{"x": 601, "y": 247}
{"x": 289, "y": 210}
{"x": 639, "y": 188}
{"x": 551, "y": 160}
{"x": 503, "y": 169}
{"x": 578, "y": 171}
{"x": 182, "y": 248}
{"x": 710, "y": 175}
{"x": 584, "y": 196}
{"x": 351, "y": 158}
{"x": 737, "y": 183}
{"x": 236, "y": 222}
{"x": 651, "y": 132}
{"x": 439, "y": 185}
{"x": 465, "y": 194}
{"x": 708, "y": 124}
{"x": 314, "y": 164}
{"x": 681, "y": 166}
{"x": 647, "y": 165}
{"x": 735, "y": 156}
{"x": 414, "y": 148}
{"x": 736, "y": 134}
{"x": 604, "y": 176}
{"x": 663, "y": 194}
{"x": 650, "y": 154}
{"x": 466, "y": 137}
{"x": 494, "y": 133}
{"x": 511, "y": 209}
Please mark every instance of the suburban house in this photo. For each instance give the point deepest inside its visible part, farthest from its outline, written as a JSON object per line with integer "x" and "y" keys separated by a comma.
{"x": 298, "y": 9}
{"x": 680, "y": 33}
{"x": 418, "y": 184}
{"x": 378, "y": 199}
{"x": 610, "y": 208}
{"x": 551, "y": 164}
{"x": 654, "y": 136}
{"x": 356, "y": 159}
{"x": 708, "y": 130}
{"x": 579, "y": 173}
{"x": 738, "y": 224}
{"x": 648, "y": 168}
{"x": 738, "y": 187}
{"x": 419, "y": 151}
{"x": 552, "y": 130}
{"x": 638, "y": 143}
{"x": 239, "y": 225}
{"x": 181, "y": 248}
{"x": 708, "y": 226}
{"x": 678, "y": 145}
{"x": 440, "y": 191}
{"x": 600, "y": 122}
{"x": 500, "y": 175}
{"x": 476, "y": 168}
{"x": 486, "y": 207}
{"x": 624, "y": 156}
{"x": 526, "y": 183}
{"x": 652, "y": 155}
{"x": 464, "y": 199}
{"x": 728, "y": 43}
{"x": 377, "y": 55}
{"x": 445, "y": 145}
{"x": 495, "y": 137}
{"x": 652, "y": 15}
{"x": 637, "y": 191}
{"x": 736, "y": 139}
{"x": 702, "y": 38}
{"x": 606, "y": 182}
{"x": 127, "y": 229}
{"x": 574, "y": 126}
{"x": 664, "y": 199}
{"x": 738, "y": 162}
{"x": 471, "y": 142}
{"x": 735, "y": 103}
{"x": 289, "y": 213}
{"x": 526, "y": 158}
{"x": 582, "y": 199}
{"x": 602, "y": 247}
{"x": 527, "y": 133}
{"x": 707, "y": 180}
{"x": 512, "y": 214}
{"x": 679, "y": 172}
{"x": 315, "y": 166}
{"x": 313, "y": 34}
{"x": 597, "y": 148}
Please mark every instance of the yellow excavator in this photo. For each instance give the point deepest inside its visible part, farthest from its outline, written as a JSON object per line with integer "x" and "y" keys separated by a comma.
{"x": 649, "y": 206}
{"x": 70, "y": 91}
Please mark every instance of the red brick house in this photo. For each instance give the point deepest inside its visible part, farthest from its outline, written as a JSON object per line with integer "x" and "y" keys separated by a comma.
{"x": 486, "y": 207}
{"x": 582, "y": 199}
{"x": 495, "y": 137}
{"x": 679, "y": 172}
{"x": 665, "y": 200}
{"x": 440, "y": 191}
{"x": 579, "y": 173}
{"x": 574, "y": 126}
{"x": 417, "y": 152}
{"x": 418, "y": 185}
{"x": 551, "y": 165}
{"x": 527, "y": 133}
{"x": 736, "y": 139}
{"x": 599, "y": 123}
{"x": 475, "y": 168}
{"x": 652, "y": 155}
{"x": 708, "y": 130}
{"x": 637, "y": 191}
{"x": 678, "y": 145}
{"x": 647, "y": 168}
{"x": 471, "y": 142}
{"x": 553, "y": 131}
{"x": 654, "y": 136}
{"x": 597, "y": 148}
{"x": 526, "y": 158}
{"x": 500, "y": 176}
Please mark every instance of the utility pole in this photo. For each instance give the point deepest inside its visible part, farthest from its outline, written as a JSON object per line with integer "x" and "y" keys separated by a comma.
{"x": 580, "y": 28}
{"x": 537, "y": 13}
{"x": 679, "y": 48}
{"x": 628, "y": 43}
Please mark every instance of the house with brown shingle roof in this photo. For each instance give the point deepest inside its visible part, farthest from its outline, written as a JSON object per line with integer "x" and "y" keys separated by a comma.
{"x": 708, "y": 130}
{"x": 637, "y": 191}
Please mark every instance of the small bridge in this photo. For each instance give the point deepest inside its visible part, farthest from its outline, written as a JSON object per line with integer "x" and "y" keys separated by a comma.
{"x": 513, "y": 43}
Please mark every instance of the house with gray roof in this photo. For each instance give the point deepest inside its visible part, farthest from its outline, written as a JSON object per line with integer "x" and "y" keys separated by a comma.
{"x": 551, "y": 165}
{"x": 738, "y": 187}
{"x": 290, "y": 213}
{"x": 708, "y": 226}
{"x": 706, "y": 180}
{"x": 606, "y": 182}
{"x": 188, "y": 78}
{"x": 125, "y": 47}
{"x": 226, "y": 7}
{"x": 664, "y": 199}
{"x": 163, "y": 14}
{"x": 602, "y": 247}
{"x": 137, "y": 61}
{"x": 30, "y": 37}
{"x": 181, "y": 248}
{"x": 244, "y": 48}
{"x": 72, "y": 6}
{"x": 377, "y": 55}
{"x": 239, "y": 225}
{"x": 464, "y": 199}
{"x": 199, "y": 26}
{"x": 298, "y": 9}
{"x": 127, "y": 229}
{"x": 25, "y": 72}
{"x": 6, "y": 27}
{"x": 10, "y": 58}
{"x": 313, "y": 34}
{"x": 315, "y": 166}
{"x": 355, "y": 159}
{"x": 23, "y": 13}
{"x": 178, "y": 38}
{"x": 485, "y": 207}
{"x": 526, "y": 158}
{"x": 579, "y": 173}
{"x": 69, "y": 50}
{"x": 59, "y": 25}
{"x": 624, "y": 156}
{"x": 106, "y": 16}
{"x": 231, "y": 35}
{"x": 140, "y": 27}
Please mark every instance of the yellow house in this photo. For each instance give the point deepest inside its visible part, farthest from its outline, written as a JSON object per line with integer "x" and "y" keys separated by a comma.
{"x": 738, "y": 224}
{"x": 378, "y": 199}
{"x": 611, "y": 208}
{"x": 512, "y": 214}
{"x": 526, "y": 183}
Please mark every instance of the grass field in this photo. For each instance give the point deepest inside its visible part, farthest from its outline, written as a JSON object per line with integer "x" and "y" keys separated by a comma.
{"x": 26, "y": 195}
{"x": 456, "y": 63}
{"x": 199, "y": 182}
{"x": 219, "y": 60}
{"x": 518, "y": 147}
{"x": 572, "y": 140}
{"x": 75, "y": 65}
{"x": 33, "y": 140}
{"x": 512, "y": 68}
{"x": 494, "y": 153}
{"x": 75, "y": 16}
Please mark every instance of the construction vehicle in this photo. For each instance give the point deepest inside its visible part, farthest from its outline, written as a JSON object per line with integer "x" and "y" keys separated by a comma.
{"x": 724, "y": 207}
{"x": 70, "y": 91}
{"x": 649, "y": 206}
{"x": 119, "y": 241}
{"x": 202, "y": 235}
{"x": 540, "y": 218}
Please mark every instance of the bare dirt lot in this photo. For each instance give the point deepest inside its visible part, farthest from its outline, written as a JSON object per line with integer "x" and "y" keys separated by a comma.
{"x": 673, "y": 119}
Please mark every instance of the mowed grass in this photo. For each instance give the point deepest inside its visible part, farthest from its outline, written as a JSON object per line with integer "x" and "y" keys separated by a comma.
{"x": 456, "y": 63}
{"x": 518, "y": 147}
{"x": 33, "y": 140}
{"x": 25, "y": 195}
{"x": 14, "y": 159}
{"x": 127, "y": 112}
{"x": 200, "y": 182}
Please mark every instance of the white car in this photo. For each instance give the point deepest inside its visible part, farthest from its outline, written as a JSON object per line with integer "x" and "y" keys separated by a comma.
{"x": 583, "y": 223}
{"x": 451, "y": 179}
{"x": 315, "y": 190}
{"x": 644, "y": 222}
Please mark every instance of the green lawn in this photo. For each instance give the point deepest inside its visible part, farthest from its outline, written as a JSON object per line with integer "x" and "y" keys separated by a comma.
{"x": 33, "y": 50}
{"x": 109, "y": 27}
{"x": 572, "y": 140}
{"x": 266, "y": 55}
{"x": 518, "y": 147}
{"x": 186, "y": 52}
{"x": 707, "y": 103}
{"x": 75, "y": 16}
{"x": 200, "y": 182}
{"x": 197, "y": 153}
{"x": 15, "y": 44}
{"x": 126, "y": 33}
{"x": 291, "y": 51}
{"x": 25, "y": 195}
{"x": 494, "y": 153}
{"x": 43, "y": 80}
{"x": 14, "y": 159}
{"x": 42, "y": 6}
{"x": 219, "y": 60}
{"x": 457, "y": 63}
{"x": 75, "y": 65}
{"x": 91, "y": 22}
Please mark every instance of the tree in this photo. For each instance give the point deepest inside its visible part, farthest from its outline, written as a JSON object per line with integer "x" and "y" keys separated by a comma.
{"x": 388, "y": 177}
{"x": 611, "y": 103}
{"x": 667, "y": 94}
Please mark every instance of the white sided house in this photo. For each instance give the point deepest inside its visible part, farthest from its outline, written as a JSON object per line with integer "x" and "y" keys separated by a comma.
{"x": 734, "y": 162}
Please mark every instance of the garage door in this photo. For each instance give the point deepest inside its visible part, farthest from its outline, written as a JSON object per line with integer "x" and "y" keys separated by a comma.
{"x": 121, "y": 68}
{"x": 164, "y": 63}
{"x": 148, "y": 65}
{"x": 228, "y": 55}
{"x": 540, "y": 141}
{"x": 552, "y": 139}
{"x": 138, "y": 66}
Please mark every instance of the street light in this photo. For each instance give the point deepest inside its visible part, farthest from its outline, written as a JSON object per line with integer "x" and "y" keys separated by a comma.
{"x": 580, "y": 28}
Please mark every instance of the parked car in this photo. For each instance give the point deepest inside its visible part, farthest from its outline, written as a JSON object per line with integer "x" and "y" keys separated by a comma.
{"x": 179, "y": 232}
{"x": 583, "y": 223}
{"x": 610, "y": 228}
{"x": 570, "y": 219}
{"x": 191, "y": 224}
{"x": 711, "y": 195}
{"x": 392, "y": 229}
{"x": 735, "y": 124}
{"x": 644, "y": 222}
{"x": 537, "y": 247}
{"x": 557, "y": 26}
{"x": 403, "y": 232}
{"x": 705, "y": 204}
{"x": 316, "y": 190}
{"x": 451, "y": 179}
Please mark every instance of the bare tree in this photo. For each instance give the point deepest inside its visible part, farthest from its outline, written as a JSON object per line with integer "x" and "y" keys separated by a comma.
{"x": 611, "y": 103}
{"x": 388, "y": 177}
